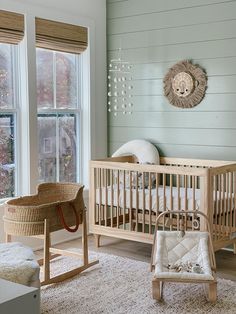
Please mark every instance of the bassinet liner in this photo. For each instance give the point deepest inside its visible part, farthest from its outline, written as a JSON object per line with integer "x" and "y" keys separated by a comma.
{"x": 25, "y": 215}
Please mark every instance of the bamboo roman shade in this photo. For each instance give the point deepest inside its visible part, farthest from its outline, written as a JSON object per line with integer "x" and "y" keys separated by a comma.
{"x": 61, "y": 36}
{"x": 11, "y": 27}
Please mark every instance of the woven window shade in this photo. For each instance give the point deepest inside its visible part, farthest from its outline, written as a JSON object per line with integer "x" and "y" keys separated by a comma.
{"x": 61, "y": 36}
{"x": 11, "y": 27}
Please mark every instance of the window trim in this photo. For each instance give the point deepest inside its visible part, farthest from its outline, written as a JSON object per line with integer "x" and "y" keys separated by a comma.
{"x": 27, "y": 147}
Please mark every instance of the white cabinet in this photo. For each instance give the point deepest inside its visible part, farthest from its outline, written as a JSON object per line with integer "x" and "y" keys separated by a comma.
{"x": 16, "y": 298}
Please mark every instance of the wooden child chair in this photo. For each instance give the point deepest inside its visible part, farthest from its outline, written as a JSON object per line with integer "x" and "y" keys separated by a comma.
{"x": 182, "y": 253}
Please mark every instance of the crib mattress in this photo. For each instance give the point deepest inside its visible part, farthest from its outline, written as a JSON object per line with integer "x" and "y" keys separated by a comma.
{"x": 152, "y": 199}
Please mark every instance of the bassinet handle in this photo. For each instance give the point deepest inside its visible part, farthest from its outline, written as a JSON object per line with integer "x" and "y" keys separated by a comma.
{"x": 62, "y": 219}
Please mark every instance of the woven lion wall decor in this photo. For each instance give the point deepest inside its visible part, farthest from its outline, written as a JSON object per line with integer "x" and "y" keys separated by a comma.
{"x": 185, "y": 84}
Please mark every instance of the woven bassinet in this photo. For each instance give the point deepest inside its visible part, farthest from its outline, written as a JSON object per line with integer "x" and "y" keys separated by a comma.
{"x": 61, "y": 203}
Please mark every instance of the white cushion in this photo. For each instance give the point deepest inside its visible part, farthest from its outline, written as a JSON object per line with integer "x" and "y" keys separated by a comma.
{"x": 192, "y": 248}
{"x": 18, "y": 264}
{"x": 142, "y": 149}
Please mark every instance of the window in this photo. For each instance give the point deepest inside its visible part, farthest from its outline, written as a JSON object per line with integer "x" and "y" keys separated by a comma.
{"x": 8, "y": 120}
{"x": 58, "y": 115}
{"x": 40, "y": 120}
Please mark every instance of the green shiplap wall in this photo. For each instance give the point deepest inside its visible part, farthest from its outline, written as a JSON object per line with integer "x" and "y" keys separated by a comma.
{"x": 154, "y": 35}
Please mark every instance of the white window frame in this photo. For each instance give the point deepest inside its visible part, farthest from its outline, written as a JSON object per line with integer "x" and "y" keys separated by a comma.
{"x": 28, "y": 173}
{"x": 15, "y": 111}
{"x": 76, "y": 111}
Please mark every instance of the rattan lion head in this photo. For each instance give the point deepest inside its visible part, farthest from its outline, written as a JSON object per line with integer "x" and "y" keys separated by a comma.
{"x": 185, "y": 84}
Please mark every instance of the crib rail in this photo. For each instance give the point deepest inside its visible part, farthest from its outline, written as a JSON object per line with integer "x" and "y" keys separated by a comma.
{"x": 126, "y": 197}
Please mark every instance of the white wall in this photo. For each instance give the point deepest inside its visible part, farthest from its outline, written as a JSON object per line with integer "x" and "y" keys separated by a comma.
{"x": 91, "y": 14}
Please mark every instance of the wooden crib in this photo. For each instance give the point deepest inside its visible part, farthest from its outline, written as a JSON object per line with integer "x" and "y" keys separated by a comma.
{"x": 126, "y": 197}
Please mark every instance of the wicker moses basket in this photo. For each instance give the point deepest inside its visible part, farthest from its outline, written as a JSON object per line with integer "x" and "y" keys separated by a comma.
{"x": 56, "y": 206}
{"x": 62, "y": 204}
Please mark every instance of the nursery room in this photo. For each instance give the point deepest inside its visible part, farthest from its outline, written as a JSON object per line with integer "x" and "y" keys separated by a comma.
{"x": 117, "y": 156}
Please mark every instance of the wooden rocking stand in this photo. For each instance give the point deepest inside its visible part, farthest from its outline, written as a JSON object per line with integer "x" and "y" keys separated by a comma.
{"x": 50, "y": 253}
{"x": 69, "y": 197}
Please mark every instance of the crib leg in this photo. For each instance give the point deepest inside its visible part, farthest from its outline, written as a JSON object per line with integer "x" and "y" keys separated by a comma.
{"x": 133, "y": 226}
{"x": 97, "y": 240}
{"x": 156, "y": 289}
{"x": 234, "y": 247}
{"x": 212, "y": 292}
{"x": 7, "y": 238}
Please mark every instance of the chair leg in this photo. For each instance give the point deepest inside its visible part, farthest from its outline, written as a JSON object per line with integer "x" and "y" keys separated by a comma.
{"x": 156, "y": 289}
{"x": 212, "y": 291}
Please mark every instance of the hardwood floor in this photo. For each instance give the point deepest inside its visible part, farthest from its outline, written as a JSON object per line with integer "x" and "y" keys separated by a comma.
{"x": 225, "y": 260}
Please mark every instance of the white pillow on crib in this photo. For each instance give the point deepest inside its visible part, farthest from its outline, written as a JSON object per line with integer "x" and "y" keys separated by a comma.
{"x": 145, "y": 152}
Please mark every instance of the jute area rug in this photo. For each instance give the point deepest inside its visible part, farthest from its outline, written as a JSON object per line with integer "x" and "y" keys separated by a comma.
{"x": 121, "y": 285}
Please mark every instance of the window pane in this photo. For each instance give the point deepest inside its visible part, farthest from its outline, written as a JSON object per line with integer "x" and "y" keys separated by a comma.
{"x": 66, "y": 82}
{"x": 47, "y": 148}
{"x": 57, "y": 148}
{"x": 7, "y": 157}
{"x": 6, "y": 75}
{"x": 56, "y": 79}
{"x": 67, "y": 144}
{"x": 44, "y": 60}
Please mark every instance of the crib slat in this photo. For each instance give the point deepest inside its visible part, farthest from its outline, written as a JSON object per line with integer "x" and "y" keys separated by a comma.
{"x": 194, "y": 200}
{"x": 178, "y": 198}
{"x": 227, "y": 207}
{"x": 143, "y": 192}
{"x": 224, "y": 203}
{"x": 112, "y": 195}
{"x": 185, "y": 193}
{"x": 157, "y": 196}
{"x": 150, "y": 201}
{"x": 215, "y": 204}
{"x": 219, "y": 203}
{"x": 106, "y": 195}
{"x": 234, "y": 204}
{"x": 171, "y": 192}
{"x": 94, "y": 194}
{"x": 171, "y": 200}
{"x": 230, "y": 200}
{"x": 118, "y": 199}
{"x": 164, "y": 191}
{"x": 137, "y": 201}
{"x": 130, "y": 200}
{"x": 185, "y": 199}
{"x": 100, "y": 195}
{"x": 124, "y": 198}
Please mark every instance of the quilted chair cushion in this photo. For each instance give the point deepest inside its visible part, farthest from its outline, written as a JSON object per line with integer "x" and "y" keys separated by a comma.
{"x": 173, "y": 249}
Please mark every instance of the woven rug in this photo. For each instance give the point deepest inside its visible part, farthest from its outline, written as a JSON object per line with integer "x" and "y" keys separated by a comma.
{"x": 121, "y": 285}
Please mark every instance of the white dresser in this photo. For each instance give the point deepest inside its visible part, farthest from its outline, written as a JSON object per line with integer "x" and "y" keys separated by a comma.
{"x": 16, "y": 298}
